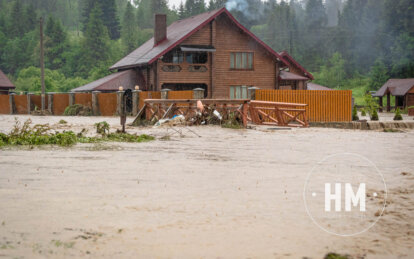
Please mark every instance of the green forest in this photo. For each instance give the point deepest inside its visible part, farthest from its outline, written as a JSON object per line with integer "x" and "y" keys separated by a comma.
{"x": 346, "y": 44}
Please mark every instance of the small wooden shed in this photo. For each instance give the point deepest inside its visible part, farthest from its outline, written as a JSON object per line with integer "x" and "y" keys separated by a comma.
{"x": 401, "y": 89}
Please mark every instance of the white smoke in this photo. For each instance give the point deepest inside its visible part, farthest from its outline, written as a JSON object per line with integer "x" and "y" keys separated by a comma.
{"x": 238, "y": 5}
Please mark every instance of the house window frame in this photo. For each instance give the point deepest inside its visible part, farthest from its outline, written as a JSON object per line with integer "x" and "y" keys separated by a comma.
{"x": 243, "y": 90}
{"x": 233, "y": 57}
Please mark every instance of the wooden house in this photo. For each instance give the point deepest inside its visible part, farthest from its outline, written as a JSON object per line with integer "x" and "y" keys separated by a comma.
{"x": 212, "y": 51}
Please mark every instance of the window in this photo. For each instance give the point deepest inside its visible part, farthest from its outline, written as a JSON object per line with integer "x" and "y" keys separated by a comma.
{"x": 239, "y": 92}
{"x": 175, "y": 57}
{"x": 241, "y": 60}
{"x": 197, "y": 57}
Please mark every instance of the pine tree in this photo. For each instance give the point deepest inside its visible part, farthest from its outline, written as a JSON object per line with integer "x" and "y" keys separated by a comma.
{"x": 378, "y": 75}
{"x": 55, "y": 44}
{"x": 95, "y": 43}
{"x": 108, "y": 15}
{"x": 181, "y": 11}
{"x": 30, "y": 18}
{"x": 86, "y": 7}
{"x": 190, "y": 8}
{"x": 17, "y": 26}
{"x": 110, "y": 18}
{"x": 129, "y": 33}
{"x": 200, "y": 6}
{"x": 159, "y": 6}
{"x": 144, "y": 15}
{"x": 315, "y": 34}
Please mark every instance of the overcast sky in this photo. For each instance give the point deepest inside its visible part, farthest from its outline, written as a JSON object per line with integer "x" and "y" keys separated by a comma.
{"x": 175, "y": 2}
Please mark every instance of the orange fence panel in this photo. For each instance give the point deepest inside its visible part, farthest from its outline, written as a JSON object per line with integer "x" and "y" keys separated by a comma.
{"x": 107, "y": 103}
{"x": 148, "y": 95}
{"x": 60, "y": 102}
{"x": 21, "y": 104}
{"x": 37, "y": 102}
{"x": 84, "y": 99}
{"x": 180, "y": 95}
{"x": 4, "y": 104}
{"x": 323, "y": 105}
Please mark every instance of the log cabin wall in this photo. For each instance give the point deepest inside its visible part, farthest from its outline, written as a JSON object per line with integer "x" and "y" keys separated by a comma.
{"x": 229, "y": 38}
{"x": 410, "y": 98}
{"x": 202, "y": 37}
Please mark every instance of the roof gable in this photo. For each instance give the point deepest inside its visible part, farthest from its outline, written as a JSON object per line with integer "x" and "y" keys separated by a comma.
{"x": 4, "y": 81}
{"x": 177, "y": 32}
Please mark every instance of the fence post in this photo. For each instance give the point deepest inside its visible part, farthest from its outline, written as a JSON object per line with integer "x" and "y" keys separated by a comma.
{"x": 71, "y": 99}
{"x": 50, "y": 102}
{"x": 135, "y": 102}
{"x": 164, "y": 93}
{"x": 12, "y": 103}
{"x": 119, "y": 102}
{"x": 198, "y": 93}
{"x": 252, "y": 92}
{"x": 29, "y": 103}
{"x": 95, "y": 103}
{"x": 42, "y": 101}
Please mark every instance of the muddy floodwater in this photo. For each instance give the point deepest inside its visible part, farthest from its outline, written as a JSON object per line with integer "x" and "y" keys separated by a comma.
{"x": 206, "y": 193}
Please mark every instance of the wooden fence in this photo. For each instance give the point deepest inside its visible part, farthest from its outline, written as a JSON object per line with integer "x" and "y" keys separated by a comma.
{"x": 323, "y": 105}
{"x": 180, "y": 95}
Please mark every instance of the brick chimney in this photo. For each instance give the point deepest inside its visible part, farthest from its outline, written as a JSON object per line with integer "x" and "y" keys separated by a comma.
{"x": 160, "y": 28}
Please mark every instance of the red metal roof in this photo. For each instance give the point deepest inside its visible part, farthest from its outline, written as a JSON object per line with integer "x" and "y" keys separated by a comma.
{"x": 286, "y": 55}
{"x": 108, "y": 83}
{"x": 313, "y": 86}
{"x": 5, "y": 83}
{"x": 177, "y": 33}
{"x": 397, "y": 87}
{"x": 284, "y": 75}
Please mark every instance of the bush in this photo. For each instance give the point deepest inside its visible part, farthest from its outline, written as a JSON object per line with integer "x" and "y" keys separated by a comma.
{"x": 374, "y": 115}
{"x": 355, "y": 114}
{"x": 102, "y": 128}
{"x": 41, "y": 135}
{"x": 363, "y": 112}
{"x": 78, "y": 110}
{"x": 125, "y": 137}
{"x": 371, "y": 105}
{"x": 398, "y": 116}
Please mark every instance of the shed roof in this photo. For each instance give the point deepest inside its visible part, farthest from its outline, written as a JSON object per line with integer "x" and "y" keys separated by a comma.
{"x": 177, "y": 32}
{"x": 104, "y": 84}
{"x": 284, "y": 75}
{"x": 397, "y": 87}
{"x": 313, "y": 86}
{"x": 5, "y": 82}
{"x": 286, "y": 56}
